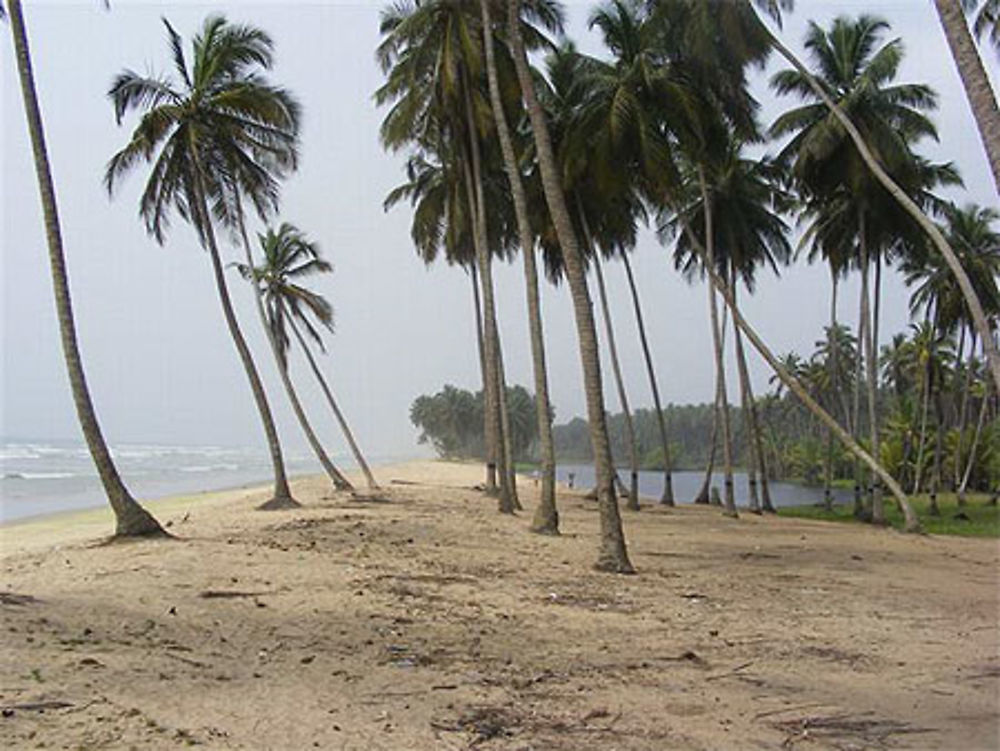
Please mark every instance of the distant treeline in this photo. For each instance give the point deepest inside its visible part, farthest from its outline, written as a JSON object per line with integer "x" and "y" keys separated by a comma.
{"x": 452, "y": 422}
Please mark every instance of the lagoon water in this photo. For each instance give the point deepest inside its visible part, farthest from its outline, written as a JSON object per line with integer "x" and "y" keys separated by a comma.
{"x": 686, "y": 485}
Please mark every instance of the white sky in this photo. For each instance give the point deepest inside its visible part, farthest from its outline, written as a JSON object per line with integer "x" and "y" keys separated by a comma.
{"x": 159, "y": 360}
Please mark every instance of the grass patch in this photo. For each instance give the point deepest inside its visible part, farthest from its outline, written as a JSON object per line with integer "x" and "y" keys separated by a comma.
{"x": 983, "y": 521}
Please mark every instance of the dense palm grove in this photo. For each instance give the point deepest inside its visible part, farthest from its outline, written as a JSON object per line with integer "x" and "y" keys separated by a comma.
{"x": 518, "y": 145}
{"x": 662, "y": 131}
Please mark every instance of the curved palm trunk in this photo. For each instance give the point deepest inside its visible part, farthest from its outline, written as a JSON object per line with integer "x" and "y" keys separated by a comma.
{"x": 911, "y": 208}
{"x": 755, "y": 448}
{"x": 613, "y": 555}
{"x": 338, "y": 415}
{"x": 911, "y": 522}
{"x": 633, "y": 455}
{"x": 339, "y": 481}
{"x": 282, "y": 497}
{"x": 131, "y": 519}
{"x": 974, "y": 80}
{"x": 491, "y": 466}
{"x": 936, "y": 469}
{"x": 546, "y": 518}
{"x": 720, "y": 366}
{"x": 667, "y": 499}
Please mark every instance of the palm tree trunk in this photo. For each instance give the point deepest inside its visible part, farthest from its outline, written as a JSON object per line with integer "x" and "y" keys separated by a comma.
{"x": 703, "y": 496}
{"x": 974, "y": 80}
{"x": 911, "y": 522}
{"x": 335, "y": 408}
{"x": 754, "y": 446}
{"x": 508, "y": 502}
{"x": 282, "y": 497}
{"x": 506, "y": 436}
{"x": 546, "y": 518}
{"x": 131, "y": 519}
{"x": 877, "y": 492}
{"x": 491, "y": 466}
{"x": 667, "y": 499}
{"x": 720, "y": 366}
{"x": 876, "y": 509}
{"x": 964, "y": 486}
{"x": 491, "y": 415}
{"x": 928, "y": 226}
{"x": 633, "y": 458}
{"x": 613, "y": 555}
{"x": 963, "y": 409}
{"x": 281, "y": 360}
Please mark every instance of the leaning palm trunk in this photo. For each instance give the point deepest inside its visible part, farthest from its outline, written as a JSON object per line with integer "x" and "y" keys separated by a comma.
{"x": 613, "y": 555}
{"x": 754, "y": 449}
{"x": 974, "y": 80}
{"x": 911, "y": 208}
{"x": 546, "y": 518}
{"x": 964, "y": 410}
{"x": 918, "y": 472}
{"x": 131, "y": 519}
{"x": 281, "y": 360}
{"x": 720, "y": 365}
{"x": 282, "y": 497}
{"x": 964, "y": 486}
{"x": 335, "y": 408}
{"x": 667, "y": 499}
{"x": 911, "y": 522}
{"x": 633, "y": 454}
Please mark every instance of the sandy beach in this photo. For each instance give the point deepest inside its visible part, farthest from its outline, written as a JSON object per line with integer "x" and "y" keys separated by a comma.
{"x": 428, "y": 621}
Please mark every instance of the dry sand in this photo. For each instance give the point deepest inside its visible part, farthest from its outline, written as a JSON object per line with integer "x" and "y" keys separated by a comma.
{"x": 431, "y": 622}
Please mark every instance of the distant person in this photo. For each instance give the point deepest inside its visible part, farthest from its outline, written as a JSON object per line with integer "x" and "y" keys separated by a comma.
{"x": 571, "y": 478}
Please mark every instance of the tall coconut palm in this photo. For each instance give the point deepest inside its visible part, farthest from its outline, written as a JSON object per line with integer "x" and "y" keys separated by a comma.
{"x": 222, "y": 112}
{"x": 613, "y": 555}
{"x": 288, "y": 258}
{"x": 433, "y": 61}
{"x": 131, "y": 520}
{"x": 546, "y": 518}
{"x": 972, "y": 72}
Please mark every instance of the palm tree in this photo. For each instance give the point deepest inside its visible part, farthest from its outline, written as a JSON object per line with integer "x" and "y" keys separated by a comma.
{"x": 434, "y": 65}
{"x": 858, "y": 71}
{"x": 546, "y": 518}
{"x": 972, "y": 72}
{"x": 613, "y": 555}
{"x": 288, "y": 257}
{"x": 992, "y": 348}
{"x": 131, "y": 520}
{"x": 224, "y": 113}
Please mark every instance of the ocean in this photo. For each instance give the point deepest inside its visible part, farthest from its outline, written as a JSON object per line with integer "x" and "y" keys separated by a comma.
{"x": 45, "y": 477}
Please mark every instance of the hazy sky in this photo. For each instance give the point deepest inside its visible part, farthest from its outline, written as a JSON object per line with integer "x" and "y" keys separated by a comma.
{"x": 161, "y": 365}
